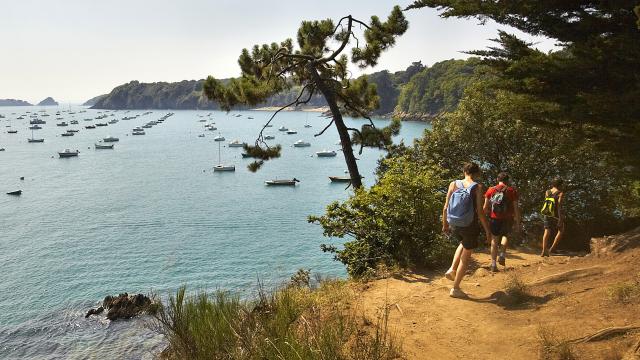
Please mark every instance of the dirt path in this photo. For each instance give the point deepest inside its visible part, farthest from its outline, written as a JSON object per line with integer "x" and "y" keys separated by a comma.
{"x": 569, "y": 297}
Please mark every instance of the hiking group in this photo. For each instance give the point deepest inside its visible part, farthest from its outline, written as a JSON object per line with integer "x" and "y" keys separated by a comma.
{"x": 469, "y": 209}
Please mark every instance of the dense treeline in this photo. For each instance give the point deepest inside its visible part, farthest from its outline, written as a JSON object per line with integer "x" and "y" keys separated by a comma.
{"x": 418, "y": 92}
{"x": 569, "y": 113}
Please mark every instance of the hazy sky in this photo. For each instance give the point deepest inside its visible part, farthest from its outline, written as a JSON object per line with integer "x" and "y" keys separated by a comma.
{"x": 73, "y": 50}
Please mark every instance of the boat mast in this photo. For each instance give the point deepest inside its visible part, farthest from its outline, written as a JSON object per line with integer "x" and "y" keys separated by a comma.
{"x": 219, "y": 147}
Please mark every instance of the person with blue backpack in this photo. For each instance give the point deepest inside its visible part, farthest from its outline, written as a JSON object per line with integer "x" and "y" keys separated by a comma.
{"x": 462, "y": 217}
{"x": 501, "y": 203}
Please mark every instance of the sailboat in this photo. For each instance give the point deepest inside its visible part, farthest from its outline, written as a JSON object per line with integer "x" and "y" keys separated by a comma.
{"x": 306, "y": 124}
{"x": 34, "y": 140}
{"x": 220, "y": 166}
{"x": 11, "y": 131}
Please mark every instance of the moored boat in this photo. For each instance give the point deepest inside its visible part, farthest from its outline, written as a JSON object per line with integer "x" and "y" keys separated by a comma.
{"x": 110, "y": 139}
{"x": 301, "y": 143}
{"x": 17, "y": 192}
{"x": 283, "y": 128}
{"x": 236, "y": 143}
{"x": 340, "y": 179}
{"x": 291, "y": 132}
{"x": 68, "y": 153}
{"x": 326, "y": 153}
{"x": 104, "y": 146}
{"x": 284, "y": 182}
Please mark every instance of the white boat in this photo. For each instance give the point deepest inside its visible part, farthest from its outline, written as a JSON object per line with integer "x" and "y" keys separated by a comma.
{"x": 74, "y": 122}
{"x": 36, "y": 122}
{"x": 68, "y": 153}
{"x": 221, "y": 166}
{"x": 35, "y": 127}
{"x": 138, "y": 132}
{"x": 326, "y": 153}
{"x": 301, "y": 143}
{"x": 307, "y": 125}
{"x": 114, "y": 121}
{"x": 283, "y": 128}
{"x": 104, "y": 146}
{"x": 269, "y": 137}
{"x": 110, "y": 139}
{"x": 62, "y": 124}
{"x": 291, "y": 132}
{"x": 218, "y": 138}
{"x": 236, "y": 143}
{"x": 286, "y": 182}
{"x": 67, "y": 134}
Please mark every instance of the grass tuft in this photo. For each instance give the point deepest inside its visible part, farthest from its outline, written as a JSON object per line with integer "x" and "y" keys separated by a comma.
{"x": 517, "y": 289}
{"x": 552, "y": 347}
{"x": 291, "y": 322}
{"x": 625, "y": 292}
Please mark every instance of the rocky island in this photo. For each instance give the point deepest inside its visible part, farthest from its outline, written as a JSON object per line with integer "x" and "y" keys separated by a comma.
{"x": 48, "y": 102}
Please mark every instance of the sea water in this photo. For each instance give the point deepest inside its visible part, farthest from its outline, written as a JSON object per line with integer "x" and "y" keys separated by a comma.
{"x": 150, "y": 216}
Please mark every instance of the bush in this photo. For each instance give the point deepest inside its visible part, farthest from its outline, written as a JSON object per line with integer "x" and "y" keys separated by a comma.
{"x": 288, "y": 323}
{"x": 396, "y": 222}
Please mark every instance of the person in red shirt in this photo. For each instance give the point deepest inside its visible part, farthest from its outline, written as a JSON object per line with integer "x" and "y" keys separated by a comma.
{"x": 501, "y": 204}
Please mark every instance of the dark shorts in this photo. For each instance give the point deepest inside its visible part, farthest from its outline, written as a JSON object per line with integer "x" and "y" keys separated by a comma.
{"x": 467, "y": 236}
{"x": 501, "y": 227}
{"x": 550, "y": 223}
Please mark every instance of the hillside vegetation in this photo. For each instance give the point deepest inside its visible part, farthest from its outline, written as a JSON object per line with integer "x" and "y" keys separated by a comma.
{"x": 418, "y": 92}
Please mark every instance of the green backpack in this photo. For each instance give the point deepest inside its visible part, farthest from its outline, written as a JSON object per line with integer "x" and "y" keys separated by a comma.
{"x": 549, "y": 205}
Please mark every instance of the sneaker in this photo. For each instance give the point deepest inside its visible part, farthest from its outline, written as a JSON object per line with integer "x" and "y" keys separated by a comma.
{"x": 494, "y": 268}
{"x": 501, "y": 260}
{"x": 457, "y": 293}
{"x": 450, "y": 274}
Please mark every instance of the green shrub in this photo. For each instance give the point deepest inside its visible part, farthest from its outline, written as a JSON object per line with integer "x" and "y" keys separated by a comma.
{"x": 396, "y": 222}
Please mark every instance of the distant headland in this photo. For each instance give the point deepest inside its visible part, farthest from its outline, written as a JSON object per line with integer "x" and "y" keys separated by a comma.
{"x": 14, "y": 102}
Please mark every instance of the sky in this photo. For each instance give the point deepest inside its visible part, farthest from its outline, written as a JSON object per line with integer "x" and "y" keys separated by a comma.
{"x": 73, "y": 50}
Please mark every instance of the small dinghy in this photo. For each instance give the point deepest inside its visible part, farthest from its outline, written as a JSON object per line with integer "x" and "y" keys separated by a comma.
{"x": 340, "y": 179}
{"x": 104, "y": 146}
{"x": 17, "y": 192}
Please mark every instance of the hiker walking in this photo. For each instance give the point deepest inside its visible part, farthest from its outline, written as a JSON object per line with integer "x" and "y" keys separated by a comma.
{"x": 462, "y": 217}
{"x": 501, "y": 203}
{"x": 553, "y": 216}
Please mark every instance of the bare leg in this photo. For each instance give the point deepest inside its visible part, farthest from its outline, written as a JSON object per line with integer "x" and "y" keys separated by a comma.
{"x": 505, "y": 244}
{"x": 545, "y": 240}
{"x": 456, "y": 258}
{"x": 495, "y": 242}
{"x": 556, "y": 240}
{"x": 462, "y": 268}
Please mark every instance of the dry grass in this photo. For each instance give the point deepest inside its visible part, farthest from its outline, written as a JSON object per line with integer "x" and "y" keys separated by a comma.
{"x": 625, "y": 292}
{"x": 516, "y": 289}
{"x": 552, "y": 347}
{"x": 291, "y": 322}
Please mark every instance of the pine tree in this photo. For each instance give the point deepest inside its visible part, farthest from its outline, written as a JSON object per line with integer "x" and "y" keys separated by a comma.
{"x": 317, "y": 68}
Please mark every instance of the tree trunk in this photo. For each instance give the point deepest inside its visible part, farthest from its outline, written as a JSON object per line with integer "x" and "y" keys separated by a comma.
{"x": 345, "y": 138}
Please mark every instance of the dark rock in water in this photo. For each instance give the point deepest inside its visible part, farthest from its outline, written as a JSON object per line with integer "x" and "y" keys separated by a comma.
{"x": 94, "y": 312}
{"x": 125, "y": 306}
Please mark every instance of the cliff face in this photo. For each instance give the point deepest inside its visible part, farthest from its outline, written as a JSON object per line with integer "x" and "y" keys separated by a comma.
{"x": 48, "y": 102}
{"x": 13, "y": 102}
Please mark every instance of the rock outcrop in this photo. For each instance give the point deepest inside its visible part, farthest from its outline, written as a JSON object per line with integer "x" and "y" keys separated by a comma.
{"x": 125, "y": 306}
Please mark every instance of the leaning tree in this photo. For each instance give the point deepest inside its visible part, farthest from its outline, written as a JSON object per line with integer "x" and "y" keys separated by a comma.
{"x": 319, "y": 65}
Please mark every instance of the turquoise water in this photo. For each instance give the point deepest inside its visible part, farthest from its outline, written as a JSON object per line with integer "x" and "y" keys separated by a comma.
{"x": 150, "y": 215}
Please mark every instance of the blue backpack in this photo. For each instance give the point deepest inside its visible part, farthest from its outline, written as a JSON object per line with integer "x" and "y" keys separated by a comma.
{"x": 461, "y": 212}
